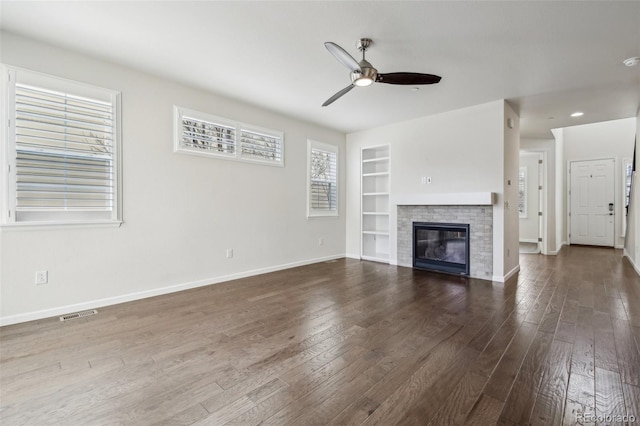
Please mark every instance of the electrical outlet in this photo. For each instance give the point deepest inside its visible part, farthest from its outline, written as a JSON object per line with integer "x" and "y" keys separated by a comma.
{"x": 42, "y": 277}
{"x": 229, "y": 253}
{"x": 321, "y": 241}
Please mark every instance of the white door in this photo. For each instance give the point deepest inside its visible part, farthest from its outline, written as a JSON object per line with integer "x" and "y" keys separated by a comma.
{"x": 591, "y": 202}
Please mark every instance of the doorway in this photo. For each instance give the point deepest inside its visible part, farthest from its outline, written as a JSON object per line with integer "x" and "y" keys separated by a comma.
{"x": 591, "y": 202}
{"x": 530, "y": 201}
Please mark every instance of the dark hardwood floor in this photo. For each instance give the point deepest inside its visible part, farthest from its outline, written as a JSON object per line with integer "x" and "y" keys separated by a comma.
{"x": 344, "y": 342}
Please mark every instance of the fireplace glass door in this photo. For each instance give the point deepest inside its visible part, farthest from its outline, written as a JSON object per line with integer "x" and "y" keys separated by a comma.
{"x": 441, "y": 247}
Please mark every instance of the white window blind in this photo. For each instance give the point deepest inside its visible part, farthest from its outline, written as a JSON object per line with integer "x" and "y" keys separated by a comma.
{"x": 522, "y": 192}
{"x": 323, "y": 179}
{"x": 62, "y": 154}
{"x": 202, "y": 134}
{"x": 260, "y": 146}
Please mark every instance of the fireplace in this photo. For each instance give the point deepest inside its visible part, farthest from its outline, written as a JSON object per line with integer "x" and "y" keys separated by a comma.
{"x": 442, "y": 247}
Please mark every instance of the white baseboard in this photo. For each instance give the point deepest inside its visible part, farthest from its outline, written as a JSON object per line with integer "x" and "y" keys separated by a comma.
{"x": 618, "y": 246}
{"x": 509, "y": 274}
{"x": 352, "y": 256}
{"x": 636, "y": 267}
{"x": 555, "y": 252}
{"x": 529, "y": 240}
{"x": 99, "y": 303}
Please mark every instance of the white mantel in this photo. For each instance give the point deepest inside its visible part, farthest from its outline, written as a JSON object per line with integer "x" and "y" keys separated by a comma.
{"x": 445, "y": 199}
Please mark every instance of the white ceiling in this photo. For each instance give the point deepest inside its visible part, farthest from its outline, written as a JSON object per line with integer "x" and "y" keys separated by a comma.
{"x": 548, "y": 59}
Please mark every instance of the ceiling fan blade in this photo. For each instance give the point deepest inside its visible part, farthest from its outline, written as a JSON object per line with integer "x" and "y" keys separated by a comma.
{"x": 407, "y": 78}
{"x": 338, "y": 95}
{"x": 342, "y": 56}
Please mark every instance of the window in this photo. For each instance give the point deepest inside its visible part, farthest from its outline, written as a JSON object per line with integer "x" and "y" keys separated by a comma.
{"x": 627, "y": 173}
{"x": 522, "y": 193}
{"x": 63, "y": 150}
{"x": 323, "y": 179}
{"x": 197, "y": 133}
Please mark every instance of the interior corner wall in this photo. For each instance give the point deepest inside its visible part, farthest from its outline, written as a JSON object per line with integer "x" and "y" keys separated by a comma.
{"x": 181, "y": 212}
{"x": 461, "y": 150}
{"x": 560, "y": 186}
{"x": 511, "y": 166}
{"x": 608, "y": 139}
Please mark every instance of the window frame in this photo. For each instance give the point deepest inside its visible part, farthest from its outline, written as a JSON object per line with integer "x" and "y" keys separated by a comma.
{"x": 11, "y": 76}
{"x": 627, "y": 167}
{"x": 179, "y": 112}
{"x": 315, "y": 145}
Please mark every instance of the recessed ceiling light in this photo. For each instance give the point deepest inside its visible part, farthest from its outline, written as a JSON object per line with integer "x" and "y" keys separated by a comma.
{"x": 577, "y": 114}
{"x": 632, "y": 62}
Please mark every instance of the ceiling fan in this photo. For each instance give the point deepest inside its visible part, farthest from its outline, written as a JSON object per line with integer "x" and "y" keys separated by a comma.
{"x": 364, "y": 74}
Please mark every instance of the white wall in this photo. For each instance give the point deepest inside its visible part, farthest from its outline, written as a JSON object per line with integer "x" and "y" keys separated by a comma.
{"x": 181, "y": 212}
{"x": 529, "y": 227}
{"x": 462, "y": 151}
{"x": 561, "y": 190}
{"x": 511, "y": 166}
{"x": 609, "y": 139}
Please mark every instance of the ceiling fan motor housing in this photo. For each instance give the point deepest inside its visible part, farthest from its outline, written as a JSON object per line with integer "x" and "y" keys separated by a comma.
{"x": 367, "y": 74}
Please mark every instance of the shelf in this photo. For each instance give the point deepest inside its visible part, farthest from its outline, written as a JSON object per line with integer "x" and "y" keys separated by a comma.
{"x": 376, "y": 232}
{"x": 445, "y": 199}
{"x": 374, "y": 205}
{"x": 374, "y": 160}
{"x": 377, "y": 257}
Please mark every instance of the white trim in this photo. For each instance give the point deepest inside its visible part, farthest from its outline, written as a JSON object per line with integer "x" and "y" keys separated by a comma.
{"x": 555, "y": 252}
{"x": 445, "y": 199}
{"x": 108, "y": 301}
{"x": 502, "y": 279}
{"x": 45, "y": 226}
{"x": 528, "y": 240}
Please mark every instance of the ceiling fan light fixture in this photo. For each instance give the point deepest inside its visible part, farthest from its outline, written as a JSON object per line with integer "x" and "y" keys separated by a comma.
{"x": 577, "y": 114}
{"x": 363, "y": 81}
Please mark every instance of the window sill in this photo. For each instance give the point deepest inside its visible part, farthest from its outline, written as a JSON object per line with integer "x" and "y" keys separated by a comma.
{"x": 43, "y": 226}
{"x": 323, "y": 216}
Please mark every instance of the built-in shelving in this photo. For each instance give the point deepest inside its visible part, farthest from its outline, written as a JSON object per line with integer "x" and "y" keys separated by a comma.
{"x": 375, "y": 204}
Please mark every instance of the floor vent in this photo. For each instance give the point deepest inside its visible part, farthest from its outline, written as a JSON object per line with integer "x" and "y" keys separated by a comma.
{"x": 78, "y": 315}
